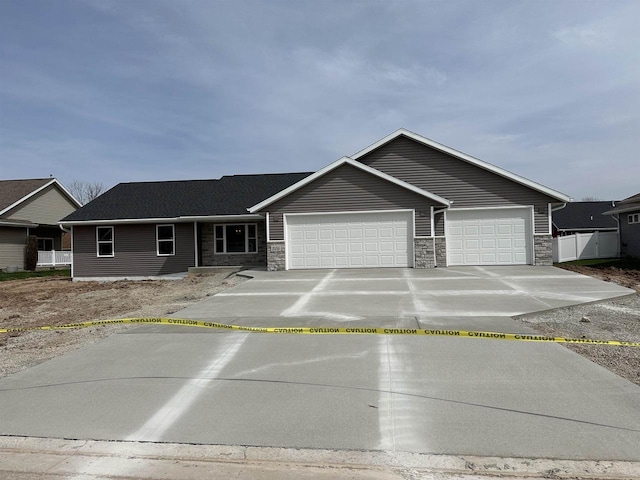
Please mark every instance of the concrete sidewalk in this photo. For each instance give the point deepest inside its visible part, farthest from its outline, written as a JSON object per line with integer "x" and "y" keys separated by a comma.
{"x": 41, "y": 458}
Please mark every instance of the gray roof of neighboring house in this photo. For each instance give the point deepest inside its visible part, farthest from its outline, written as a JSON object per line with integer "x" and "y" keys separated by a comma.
{"x": 584, "y": 216}
{"x": 629, "y": 204}
{"x": 12, "y": 191}
{"x": 229, "y": 195}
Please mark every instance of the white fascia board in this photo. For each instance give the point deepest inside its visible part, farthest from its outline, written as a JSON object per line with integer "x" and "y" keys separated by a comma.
{"x": 38, "y": 190}
{"x": 26, "y": 197}
{"x": 204, "y": 218}
{"x": 467, "y": 158}
{"x": 339, "y": 163}
{"x": 68, "y": 193}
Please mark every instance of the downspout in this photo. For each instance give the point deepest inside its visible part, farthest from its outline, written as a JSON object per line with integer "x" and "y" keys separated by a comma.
{"x": 616, "y": 217}
{"x": 559, "y": 208}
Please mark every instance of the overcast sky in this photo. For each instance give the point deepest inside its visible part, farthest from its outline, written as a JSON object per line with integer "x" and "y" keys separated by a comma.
{"x": 136, "y": 90}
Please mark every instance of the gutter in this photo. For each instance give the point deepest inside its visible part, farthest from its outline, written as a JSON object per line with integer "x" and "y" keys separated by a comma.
{"x": 185, "y": 219}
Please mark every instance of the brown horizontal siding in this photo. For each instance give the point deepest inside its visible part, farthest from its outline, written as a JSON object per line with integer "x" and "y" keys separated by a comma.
{"x": 135, "y": 252}
{"x": 350, "y": 189}
{"x": 47, "y": 207}
{"x": 12, "y": 243}
{"x": 454, "y": 179}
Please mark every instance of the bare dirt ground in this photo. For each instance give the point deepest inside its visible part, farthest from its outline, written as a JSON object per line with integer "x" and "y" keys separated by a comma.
{"x": 613, "y": 320}
{"x": 56, "y": 301}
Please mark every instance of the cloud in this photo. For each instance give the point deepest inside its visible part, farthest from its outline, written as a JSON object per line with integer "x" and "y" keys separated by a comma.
{"x": 584, "y": 36}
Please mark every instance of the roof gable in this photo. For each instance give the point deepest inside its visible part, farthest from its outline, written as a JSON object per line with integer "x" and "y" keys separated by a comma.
{"x": 13, "y": 193}
{"x": 338, "y": 163}
{"x": 465, "y": 158}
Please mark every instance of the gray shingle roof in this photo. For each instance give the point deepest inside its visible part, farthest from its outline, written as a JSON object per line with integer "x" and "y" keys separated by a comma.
{"x": 13, "y": 190}
{"x": 229, "y": 195}
{"x": 584, "y": 216}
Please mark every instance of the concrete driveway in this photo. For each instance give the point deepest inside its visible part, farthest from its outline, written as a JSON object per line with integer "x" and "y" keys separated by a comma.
{"x": 413, "y": 394}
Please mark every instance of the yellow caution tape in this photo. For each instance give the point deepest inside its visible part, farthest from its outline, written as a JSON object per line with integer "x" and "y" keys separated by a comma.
{"x": 185, "y": 322}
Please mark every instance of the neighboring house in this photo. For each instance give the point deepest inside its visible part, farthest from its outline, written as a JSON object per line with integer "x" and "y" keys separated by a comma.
{"x": 405, "y": 201}
{"x": 628, "y": 213}
{"x": 31, "y": 207}
{"x": 583, "y": 217}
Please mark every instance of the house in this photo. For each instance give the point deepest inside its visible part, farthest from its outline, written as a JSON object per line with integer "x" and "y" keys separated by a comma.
{"x": 627, "y": 212}
{"x": 583, "y": 217}
{"x": 31, "y": 207}
{"x": 405, "y": 201}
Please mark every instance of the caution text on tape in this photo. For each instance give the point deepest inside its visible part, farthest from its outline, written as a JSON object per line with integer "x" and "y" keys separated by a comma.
{"x": 186, "y": 322}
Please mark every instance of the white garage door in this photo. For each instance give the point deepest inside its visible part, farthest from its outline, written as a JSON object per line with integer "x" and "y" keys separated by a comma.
{"x": 489, "y": 237}
{"x": 350, "y": 240}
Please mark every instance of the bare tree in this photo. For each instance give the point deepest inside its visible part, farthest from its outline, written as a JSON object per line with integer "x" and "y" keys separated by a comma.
{"x": 590, "y": 198}
{"x": 84, "y": 192}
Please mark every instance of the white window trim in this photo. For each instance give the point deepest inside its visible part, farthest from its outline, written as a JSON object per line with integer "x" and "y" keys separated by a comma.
{"x": 224, "y": 238}
{"x": 633, "y": 218}
{"x": 112, "y": 242}
{"x": 173, "y": 240}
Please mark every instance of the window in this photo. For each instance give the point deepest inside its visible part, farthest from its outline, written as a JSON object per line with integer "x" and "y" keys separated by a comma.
{"x": 634, "y": 218}
{"x": 236, "y": 238}
{"x": 165, "y": 239}
{"x": 104, "y": 237}
{"x": 45, "y": 244}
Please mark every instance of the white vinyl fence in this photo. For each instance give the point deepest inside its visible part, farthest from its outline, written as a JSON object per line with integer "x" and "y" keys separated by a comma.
{"x": 582, "y": 246}
{"x": 53, "y": 258}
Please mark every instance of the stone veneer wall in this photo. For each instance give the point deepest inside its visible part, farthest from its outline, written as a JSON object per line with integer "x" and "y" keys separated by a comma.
{"x": 276, "y": 256}
{"x": 212, "y": 259}
{"x": 441, "y": 252}
{"x": 543, "y": 250}
{"x": 423, "y": 251}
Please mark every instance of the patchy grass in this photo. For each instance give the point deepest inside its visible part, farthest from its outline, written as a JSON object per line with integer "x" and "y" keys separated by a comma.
{"x": 623, "y": 271}
{"x": 4, "y": 276}
{"x": 604, "y": 263}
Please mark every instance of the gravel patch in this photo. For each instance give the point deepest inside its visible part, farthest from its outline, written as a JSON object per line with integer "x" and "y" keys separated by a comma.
{"x": 612, "y": 320}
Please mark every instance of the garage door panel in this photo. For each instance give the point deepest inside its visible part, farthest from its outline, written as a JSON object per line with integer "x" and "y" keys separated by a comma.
{"x": 488, "y": 243}
{"x": 387, "y": 232}
{"x": 326, "y": 248}
{"x": 489, "y": 237}
{"x": 472, "y": 243}
{"x": 371, "y": 247}
{"x": 350, "y": 240}
{"x": 311, "y": 248}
